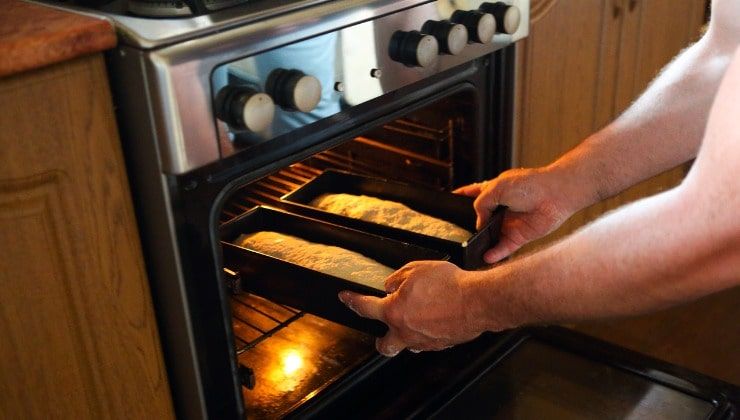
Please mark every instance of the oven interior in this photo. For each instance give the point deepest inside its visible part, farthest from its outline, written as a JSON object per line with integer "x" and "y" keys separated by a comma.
{"x": 285, "y": 356}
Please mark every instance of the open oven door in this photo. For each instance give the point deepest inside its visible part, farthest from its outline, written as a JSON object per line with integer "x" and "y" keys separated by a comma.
{"x": 538, "y": 373}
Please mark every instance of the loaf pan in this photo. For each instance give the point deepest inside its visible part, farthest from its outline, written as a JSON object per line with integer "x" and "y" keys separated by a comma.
{"x": 453, "y": 208}
{"x": 302, "y": 288}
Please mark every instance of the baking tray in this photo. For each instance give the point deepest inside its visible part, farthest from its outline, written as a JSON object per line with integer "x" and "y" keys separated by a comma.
{"x": 305, "y": 289}
{"x": 453, "y": 208}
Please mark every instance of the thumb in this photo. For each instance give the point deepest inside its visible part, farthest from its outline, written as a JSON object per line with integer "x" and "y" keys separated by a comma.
{"x": 390, "y": 345}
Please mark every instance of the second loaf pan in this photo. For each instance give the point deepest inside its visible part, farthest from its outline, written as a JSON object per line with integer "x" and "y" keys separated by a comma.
{"x": 303, "y": 288}
{"x": 453, "y": 208}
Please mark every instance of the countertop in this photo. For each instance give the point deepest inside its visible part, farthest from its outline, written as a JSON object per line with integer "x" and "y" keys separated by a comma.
{"x": 33, "y": 36}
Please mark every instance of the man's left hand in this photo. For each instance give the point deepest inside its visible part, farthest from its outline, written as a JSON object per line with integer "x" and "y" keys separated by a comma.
{"x": 431, "y": 305}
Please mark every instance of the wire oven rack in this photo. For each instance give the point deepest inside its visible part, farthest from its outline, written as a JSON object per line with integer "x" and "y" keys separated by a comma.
{"x": 255, "y": 318}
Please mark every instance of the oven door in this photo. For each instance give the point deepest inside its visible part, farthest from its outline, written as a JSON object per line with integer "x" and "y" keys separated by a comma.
{"x": 264, "y": 359}
{"x": 550, "y": 373}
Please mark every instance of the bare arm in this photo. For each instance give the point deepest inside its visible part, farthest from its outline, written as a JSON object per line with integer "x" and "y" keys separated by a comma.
{"x": 664, "y": 127}
{"x": 657, "y": 252}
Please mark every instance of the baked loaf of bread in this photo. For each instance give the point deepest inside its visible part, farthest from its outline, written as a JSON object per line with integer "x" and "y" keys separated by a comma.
{"x": 332, "y": 260}
{"x": 390, "y": 213}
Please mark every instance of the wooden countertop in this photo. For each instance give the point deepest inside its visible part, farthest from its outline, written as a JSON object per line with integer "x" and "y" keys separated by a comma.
{"x": 33, "y": 36}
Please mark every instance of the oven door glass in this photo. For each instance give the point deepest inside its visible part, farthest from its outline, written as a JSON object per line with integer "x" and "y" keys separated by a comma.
{"x": 539, "y": 380}
{"x": 291, "y": 357}
{"x": 537, "y": 373}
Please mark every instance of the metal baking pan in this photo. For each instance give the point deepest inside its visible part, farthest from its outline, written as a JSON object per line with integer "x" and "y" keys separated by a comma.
{"x": 453, "y": 208}
{"x": 302, "y": 288}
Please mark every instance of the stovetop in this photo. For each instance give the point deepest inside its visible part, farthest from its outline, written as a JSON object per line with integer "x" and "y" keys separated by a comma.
{"x": 149, "y": 32}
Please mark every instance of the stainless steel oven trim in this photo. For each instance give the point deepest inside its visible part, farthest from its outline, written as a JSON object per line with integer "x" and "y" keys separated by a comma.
{"x": 164, "y": 263}
{"x": 179, "y": 75}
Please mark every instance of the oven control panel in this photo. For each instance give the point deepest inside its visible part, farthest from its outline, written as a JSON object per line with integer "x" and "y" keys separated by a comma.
{"x": 267, "y": 95}
{"x": 240, "y": 81}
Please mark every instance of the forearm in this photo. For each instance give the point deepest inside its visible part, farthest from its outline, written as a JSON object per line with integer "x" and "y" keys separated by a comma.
{"x": 661, "y": 130}
{"x": 655, "y": 253}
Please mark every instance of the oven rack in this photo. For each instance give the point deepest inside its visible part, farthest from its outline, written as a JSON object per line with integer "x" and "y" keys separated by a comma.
{"x": 431, "y": 156}
{"x": 255, "y": 319}
{"x": 268, "y": 190}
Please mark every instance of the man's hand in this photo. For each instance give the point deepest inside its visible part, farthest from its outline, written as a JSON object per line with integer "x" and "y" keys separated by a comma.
{"x": 537, "y": 201}
{"x": 430, "y": 306}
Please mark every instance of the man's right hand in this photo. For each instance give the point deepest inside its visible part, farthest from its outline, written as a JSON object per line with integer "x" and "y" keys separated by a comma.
{"x": 537, "y": 205}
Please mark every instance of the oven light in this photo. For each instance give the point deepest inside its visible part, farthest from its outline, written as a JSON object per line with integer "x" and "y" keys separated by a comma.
{"x": 292, "y": 362}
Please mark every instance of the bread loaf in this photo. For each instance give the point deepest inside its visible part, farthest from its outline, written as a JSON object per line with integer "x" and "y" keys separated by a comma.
{"x": 390, "y": 213}
{"x": 332, "y": 260}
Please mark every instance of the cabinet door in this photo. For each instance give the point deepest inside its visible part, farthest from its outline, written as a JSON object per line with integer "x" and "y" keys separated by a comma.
{"x": 565, "y": 73}
{"x": 566, "y": 77}
{"x": 652, "y": 33}
{"x": 78, "y": 338}
{"x": 582, "y": 65}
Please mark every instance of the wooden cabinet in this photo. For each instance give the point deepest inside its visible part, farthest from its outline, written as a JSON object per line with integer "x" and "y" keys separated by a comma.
{"x": 79, "y": 338}
{"x": 583, "y": 64}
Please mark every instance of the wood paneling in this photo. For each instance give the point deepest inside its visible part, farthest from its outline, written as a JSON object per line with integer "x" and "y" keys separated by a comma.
{"x": 582, "y": 65}
{"x": 79, "y": 338}
{"x": 654, "y": 32}
{"x": 559, "y": 76}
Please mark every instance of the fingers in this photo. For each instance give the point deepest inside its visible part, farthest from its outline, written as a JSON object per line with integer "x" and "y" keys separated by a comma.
{"x": 365, "y": 306}
{"x": 472, "y": 190}
{"x": 484, "y": 206}
{"x": 372, "y": 307}
{"x": 394, "y": 281}
{"x": 390, "y": 345}
{"x": 486, "y": 202}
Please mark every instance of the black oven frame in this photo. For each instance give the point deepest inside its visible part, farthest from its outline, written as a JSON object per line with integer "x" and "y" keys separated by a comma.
{"x": 198, "y": 196}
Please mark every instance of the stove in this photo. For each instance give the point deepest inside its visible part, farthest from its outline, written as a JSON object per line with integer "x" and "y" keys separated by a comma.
{"x": 221, "y": 110}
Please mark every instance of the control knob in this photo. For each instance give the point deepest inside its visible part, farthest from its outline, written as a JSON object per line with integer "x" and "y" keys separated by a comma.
{"x": 451, "y": 37}
{"x": 414, "y": 49}
{"x": 507, "y": 17}
{"x": 481, "y": 26}
{"x": 294, "y": 90}
{"x": 244, "y": 107}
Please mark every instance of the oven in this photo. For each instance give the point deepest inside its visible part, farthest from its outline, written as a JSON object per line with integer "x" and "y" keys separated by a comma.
{"x": 418, "y": 92}
{"x": 229, "y": 112}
